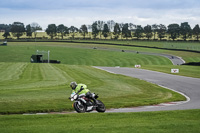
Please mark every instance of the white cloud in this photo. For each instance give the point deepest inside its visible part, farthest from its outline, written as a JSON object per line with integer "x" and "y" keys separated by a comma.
{"x": 78, "y": 12}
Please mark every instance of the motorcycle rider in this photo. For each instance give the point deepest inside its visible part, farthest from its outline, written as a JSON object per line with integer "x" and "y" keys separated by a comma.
{"x": 81, "y": 89}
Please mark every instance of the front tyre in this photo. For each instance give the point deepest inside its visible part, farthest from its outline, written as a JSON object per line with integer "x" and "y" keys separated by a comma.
{"x": 100, "y": 106}
{"x": 80, "y": 108}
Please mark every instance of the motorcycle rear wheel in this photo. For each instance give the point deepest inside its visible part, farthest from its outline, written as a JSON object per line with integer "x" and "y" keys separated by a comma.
{"x": 100, "y": 106}
{"x": 79, "y": 108}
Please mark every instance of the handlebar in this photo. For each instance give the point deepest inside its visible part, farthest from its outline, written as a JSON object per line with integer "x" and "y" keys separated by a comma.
{"x": 78, "y": 91}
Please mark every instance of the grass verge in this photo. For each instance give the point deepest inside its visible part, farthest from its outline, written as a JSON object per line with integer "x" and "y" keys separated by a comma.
{"x": 189, "y": 71}
{"x": 141, "y": 122}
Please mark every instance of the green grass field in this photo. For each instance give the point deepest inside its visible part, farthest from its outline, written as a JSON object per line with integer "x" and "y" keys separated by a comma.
{"x": 31, "y": 87}
{"x": 24, "y": 85}
{"x": 160, "y": 44}
{"x": 143, "y": 122}
{"x": 27, "y": 87}
{"x": 104, "y": 55}
{"x": 21, "y": 52}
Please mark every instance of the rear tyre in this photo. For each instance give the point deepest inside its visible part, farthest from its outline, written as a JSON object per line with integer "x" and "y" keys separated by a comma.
{"x": 100, "y": 106}
{"x": 79, "y": 108}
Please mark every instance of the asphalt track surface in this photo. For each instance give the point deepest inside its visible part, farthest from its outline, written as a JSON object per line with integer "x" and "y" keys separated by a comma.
{"x": 187, "y": 86}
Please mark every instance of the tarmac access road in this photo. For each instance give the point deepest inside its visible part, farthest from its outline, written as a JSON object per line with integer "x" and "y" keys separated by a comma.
{"x": 187, "y": 86}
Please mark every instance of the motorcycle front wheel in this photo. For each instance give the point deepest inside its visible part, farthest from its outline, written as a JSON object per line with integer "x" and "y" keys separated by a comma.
{"x": 100, "y": 106}
{"x": 79, "y": 108}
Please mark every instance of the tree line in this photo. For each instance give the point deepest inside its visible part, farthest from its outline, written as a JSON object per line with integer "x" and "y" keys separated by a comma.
{"x": 106, "y": 29}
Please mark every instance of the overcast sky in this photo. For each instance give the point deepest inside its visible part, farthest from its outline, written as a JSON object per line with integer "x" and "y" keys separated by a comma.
{"x": 78, "y": 12}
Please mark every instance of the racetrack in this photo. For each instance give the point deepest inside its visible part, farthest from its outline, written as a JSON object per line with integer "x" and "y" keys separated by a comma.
{"x": 190, "y": 87}
{"x": 174, "y": 59}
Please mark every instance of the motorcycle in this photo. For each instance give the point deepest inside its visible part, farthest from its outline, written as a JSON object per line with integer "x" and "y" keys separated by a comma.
{"x": 84, "y": 104}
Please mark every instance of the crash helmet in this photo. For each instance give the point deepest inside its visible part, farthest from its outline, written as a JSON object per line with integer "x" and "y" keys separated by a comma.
{"x": 73, "y": 85}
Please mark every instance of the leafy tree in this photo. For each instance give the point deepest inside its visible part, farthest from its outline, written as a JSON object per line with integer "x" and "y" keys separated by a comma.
{"x": 148, "y": 31}
{"x": 125, "y": 31}
{"x": 34, "y": 27}
{"x": 6, "y": 28}
{"x": 28, "y": 31}
{"x": 51, "y": 30}
{"x": 17, "y": 29}
{"x": 139, "y": 31}
{"x": 161, "y": 31}
{"x": 173, "y": 30}
{"x": 105, "y": 31}
{"x": 73, "y": 30}
{"x": 196, "y": 31}
{"x": 6, "y": 34}
{"x": 63, "y": 30}
{"x": 117, "y": 31}
{"x": 154, "y": 30}
{"x": 132, "y": 27}
{"x": 100, "y": 25}
{"x": 84, "y": 30}
{"x": 121, "y": 26}
{"x": 185, "y": 30}
{"x": 95, "y": 30}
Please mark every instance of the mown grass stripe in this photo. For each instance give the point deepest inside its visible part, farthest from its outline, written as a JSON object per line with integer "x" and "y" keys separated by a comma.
{"x": 36, "y": 75}
{"x": 11, "y": 71}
